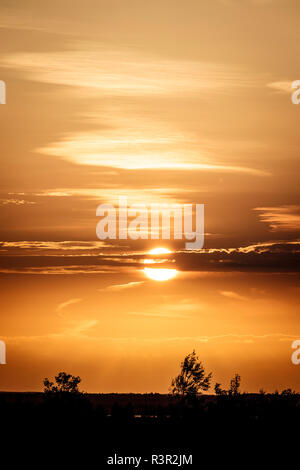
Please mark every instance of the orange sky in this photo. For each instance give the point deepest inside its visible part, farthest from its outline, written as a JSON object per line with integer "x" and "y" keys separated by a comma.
{"x": 161, "y": 101}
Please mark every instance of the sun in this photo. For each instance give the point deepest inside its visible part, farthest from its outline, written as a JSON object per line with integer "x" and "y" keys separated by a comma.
{"x": 159, "y": 274}
{"x": 159, "y": 251}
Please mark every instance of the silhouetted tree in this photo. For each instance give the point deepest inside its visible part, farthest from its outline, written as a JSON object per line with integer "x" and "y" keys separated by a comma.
{"x": 288, "y": 392}
{"x": 234, "y": 388}
{"x": 235, "y": 384}
{"x": 64, "y": 383}
{"x": 64, "y": 399}
{"x": 219, "y": 390}
{"x": 192, "y": 379}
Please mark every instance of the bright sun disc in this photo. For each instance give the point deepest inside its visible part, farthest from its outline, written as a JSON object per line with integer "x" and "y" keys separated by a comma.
{"x": 159, "y": 251}
{"x": 156, "y": 251}
{"x": 160, "y": 274}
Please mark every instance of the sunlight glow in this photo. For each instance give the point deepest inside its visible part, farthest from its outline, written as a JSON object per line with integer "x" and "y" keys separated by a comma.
{"x": 160, "y": 274}
{"x": 159, "y": 251}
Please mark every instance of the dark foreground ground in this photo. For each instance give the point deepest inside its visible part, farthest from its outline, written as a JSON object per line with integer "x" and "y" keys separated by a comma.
{"x": 72, "y": 431}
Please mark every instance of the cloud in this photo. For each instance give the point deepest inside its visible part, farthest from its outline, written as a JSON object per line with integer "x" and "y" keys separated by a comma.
{"x": 274, "y": 246}
{"x": 184, "y": 308}
{"x": 272, "y": 256}
{"x": 135, "y": 144}
{"x": 15, "y": 202}
{"x": 65, "y": 304}
{"x": 282, "y": 87}
{"x": 118, "y": 287}
{"x": 119, "y": 139}
{"x": 53, "y": 245}
{"x": 281, "y": 218}
{"x": 158, "y": 315}
{"x": 125, "y": 71}
{"x": 42, "y": 248}
{"x": 233, "y": 295}
{"x": 79, "y": 328}
{"x": 156, "y": 195}
{"x": 61, "y": 270}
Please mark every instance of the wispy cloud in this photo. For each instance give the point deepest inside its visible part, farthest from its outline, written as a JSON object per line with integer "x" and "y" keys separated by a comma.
{"x": 158, "y": 315}
{"x": 281, "y": 218}
{"x": 52, "y": 248}
{"x": 119, "y": 287}
{"x": 65, "y": 304}
{"x": 15, "y": 202}
{"x": 182, "y": 309}
{"x": 62, "y": 270}
{"x": 119, "y": 139}
{"x": 53, "y": 245}
{"x": 274, "y": 246}
{"x": 152, "y": 195}
{"x": 281, "y": 86}
{"x": 126, "y": 71}
{"x": 78, "y": 330}
{"x": 133, "y": 144}
{"x": 233, "y": 295}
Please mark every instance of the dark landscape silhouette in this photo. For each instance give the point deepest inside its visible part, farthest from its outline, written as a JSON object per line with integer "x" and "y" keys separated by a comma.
{"x": 185, "y": 420}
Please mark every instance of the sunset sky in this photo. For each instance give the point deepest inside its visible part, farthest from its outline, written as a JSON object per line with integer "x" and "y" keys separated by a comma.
{"x": 162, "y": 101}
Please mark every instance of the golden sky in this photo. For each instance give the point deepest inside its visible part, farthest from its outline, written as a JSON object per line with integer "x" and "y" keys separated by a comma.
{"x": 163, "y": 101}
